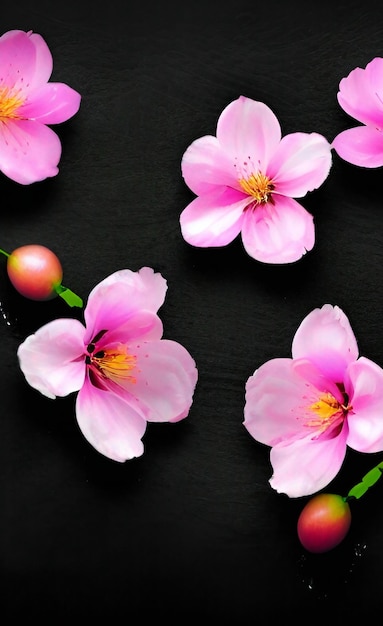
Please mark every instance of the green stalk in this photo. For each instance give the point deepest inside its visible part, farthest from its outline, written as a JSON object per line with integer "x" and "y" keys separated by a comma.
{"x": 69, "y": 296}
{"x": 367, "y": 481}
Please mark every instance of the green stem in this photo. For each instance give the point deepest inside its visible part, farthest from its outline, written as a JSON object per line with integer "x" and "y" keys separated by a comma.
{"x": 69, "y": 296}
{"x": 367, "y": 481}
{"x": 3, "y": 252}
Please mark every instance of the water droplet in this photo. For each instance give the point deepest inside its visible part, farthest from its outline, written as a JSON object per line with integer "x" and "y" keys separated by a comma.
{"x": 324, "y": 574}
{"x": 4, "y": 315}
{"x": 359, "y": 549}
{"x": 10, "y": 321}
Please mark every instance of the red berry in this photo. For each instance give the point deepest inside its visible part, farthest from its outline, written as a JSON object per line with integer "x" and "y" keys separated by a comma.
{"x": 324, "y": 522}
{"x": 35, "y": 271}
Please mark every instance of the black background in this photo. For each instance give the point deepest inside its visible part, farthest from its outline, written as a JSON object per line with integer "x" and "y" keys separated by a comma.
{"x": 191, "y": 530}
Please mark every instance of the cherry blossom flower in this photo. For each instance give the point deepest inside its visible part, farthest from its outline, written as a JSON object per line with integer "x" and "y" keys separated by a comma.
{"x": 310, "y": 407}
{"x": 361, "y": 96}
{"x": 29, "y": 150}
{"x": 125, "y": 373}
{"x": 246, "y": 178}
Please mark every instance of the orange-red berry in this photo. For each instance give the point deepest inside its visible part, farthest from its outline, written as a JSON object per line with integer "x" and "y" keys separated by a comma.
{"x": 35, "y": 272}
{"x": 324, "y": 522}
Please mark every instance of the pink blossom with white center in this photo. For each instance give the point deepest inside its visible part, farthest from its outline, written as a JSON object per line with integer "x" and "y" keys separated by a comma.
{"x": 29, "y": 150}
{"x": 310, "y": 407}
{"x": 361, "y": 96}
{"x": 125, "y": 373}
{"x": 246, "y": 178}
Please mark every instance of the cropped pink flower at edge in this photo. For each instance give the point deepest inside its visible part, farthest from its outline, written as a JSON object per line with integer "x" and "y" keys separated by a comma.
{"x": 125, "y": 372}
{"x": 29, "y": 150}
{"x": 361, "y": 96}
{"x": 310, "y": 407}
{"x": 246, "y": 178}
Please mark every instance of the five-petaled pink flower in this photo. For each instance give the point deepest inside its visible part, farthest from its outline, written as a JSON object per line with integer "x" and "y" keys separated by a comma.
{"x": 29, "y": 150}
{"x": 310, "y": 407}
{"x": 125, "y": 372}
{"x": 246, "y": 178}
{"x": 361, "y": 96}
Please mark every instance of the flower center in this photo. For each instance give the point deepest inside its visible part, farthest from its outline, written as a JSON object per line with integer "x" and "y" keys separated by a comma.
{"x": 9, "y": 104}
{"x": 258, "y": 186}
{"x": 328, "y": 412}
{"x": 113, "y": 363}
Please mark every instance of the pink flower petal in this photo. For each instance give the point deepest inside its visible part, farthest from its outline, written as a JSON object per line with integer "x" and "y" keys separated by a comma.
{"x": 300, "y": 164}
{"x": 26, "y": 61}
{"x": 29, "y": 151}
{"x": 109, "y": 424}
{"x": 214, "y": 219}
{"x": 361, "y": 94}
{"x": 52, "y": 359}
{"x": 366, "y": 418}
{"x": 52, "y": 104}
{"x": 44, "y": 61}
{"x": 278, "y": 401}
{"x": 250, "y": 131}
{"x": 147, "y": 288}
{"x": 126, "y": 296}
{"x": 361, "y": 145}
{"x": 166, "y": 379}
{"x": 142, "y": 325}
{"x": 326, "y": 338}
{"x": 301, "y": 467}
{"x": 205, "y": 166}
{"x": 311, "y": 374}
{"x": 281, "y": 232}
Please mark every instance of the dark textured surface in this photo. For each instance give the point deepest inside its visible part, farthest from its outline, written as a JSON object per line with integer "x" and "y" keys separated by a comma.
{"x": 191, "y": 531}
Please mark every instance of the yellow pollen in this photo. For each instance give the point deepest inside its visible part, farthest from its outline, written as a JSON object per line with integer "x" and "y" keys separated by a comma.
{"x": 9, "y": 104}
{"x": 115, "y": 364}
{"x": 328, "y": 410}
{"x": 258, "y": 186}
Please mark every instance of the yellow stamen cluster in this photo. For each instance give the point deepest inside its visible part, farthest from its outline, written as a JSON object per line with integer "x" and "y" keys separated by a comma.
{"x": 9, "y": 104}
{"x": 115, "y": 364}
{"x": 328, "y": 410}
{"x": 258, "y": 186}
